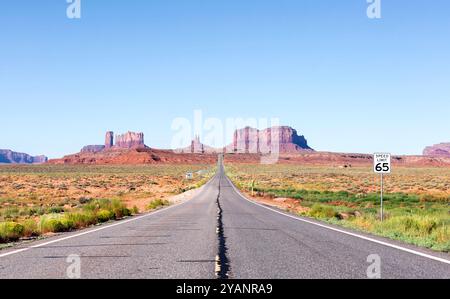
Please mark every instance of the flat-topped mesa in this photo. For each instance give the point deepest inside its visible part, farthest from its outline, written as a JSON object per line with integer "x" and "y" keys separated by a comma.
{"x": 92, "y": 148}
{"x": 281, "y": 139}
{"x": 40, "y": 159}
{"x": 438, "y": 150}
{"x": 130, "y": 140}
{"x": 10, "y": 157}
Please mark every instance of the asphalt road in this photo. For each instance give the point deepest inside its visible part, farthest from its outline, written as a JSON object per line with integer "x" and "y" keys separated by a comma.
{"x": 219, "y": 233}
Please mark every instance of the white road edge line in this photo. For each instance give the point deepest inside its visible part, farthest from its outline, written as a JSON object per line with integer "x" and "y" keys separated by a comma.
{"x": 97, "y": 229}
{"x": 442, "y": 260}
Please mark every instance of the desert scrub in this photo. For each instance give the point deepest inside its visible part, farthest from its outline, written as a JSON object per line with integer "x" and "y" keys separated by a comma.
{"x": 72, "y": 185}
{"x": 135, "y": 210}
{"x": 30, "y": 228}
{"x": 115, "y": 206}
{"x": 10, "y": 213}
{"x": 105, "y": 215}
{"x": 81, "y": 219}
{"x": 429, "y": 231}
{"x": 119, "y": 209}
{"x": 55, "y": 210}
{"x": 157, "y": 203}
{"x": 55, "y": 224}
{"x": 96, "y": 211}
{"x": 10, "y": 231}
{"x": 322, "y": 212}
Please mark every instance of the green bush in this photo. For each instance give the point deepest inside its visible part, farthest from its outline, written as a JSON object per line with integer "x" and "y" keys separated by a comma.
{"x": 30, "y": 228}
{"x": 67, "y": 223}
{"x": 135, "y": 210}
{"x": 119, "y": 209}
{"x": 105, "y": 215}
{"x": 93, "y": 212}
{"x": 11, "y": 231}
{"x": 121, "y": 212}
{"x": 115, "y": 206}
{"x": 36, "y": 211}
{"x": 82, "y": 219}
{"x": 55, "y": 210}
{"x": 157, "y": 203}
{"x": 52, "y": 224}
{"x": 321, "y": 211}
{"x": 411, "y": 225}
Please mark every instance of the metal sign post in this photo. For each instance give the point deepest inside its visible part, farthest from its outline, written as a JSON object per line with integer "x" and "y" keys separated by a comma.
{"x": 382, "y": 165}
{"x": 381, "y": 204}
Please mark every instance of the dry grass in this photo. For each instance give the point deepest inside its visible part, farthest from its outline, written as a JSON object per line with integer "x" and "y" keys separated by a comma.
{"x": 34, "y": 190}
{"x": 358, "y": 180}
{"x": 53, "y": 198}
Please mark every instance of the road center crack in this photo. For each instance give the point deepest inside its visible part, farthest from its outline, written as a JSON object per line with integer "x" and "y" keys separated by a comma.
{"x": 222, "y": 264}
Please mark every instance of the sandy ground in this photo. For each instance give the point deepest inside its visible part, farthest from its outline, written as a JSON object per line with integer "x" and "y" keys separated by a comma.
{"x": 188, "y": 195}
{"x": 287, "y": 204}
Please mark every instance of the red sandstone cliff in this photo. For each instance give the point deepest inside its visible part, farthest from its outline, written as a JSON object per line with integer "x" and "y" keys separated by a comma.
{"x": 130, "y": 140}
{"x": 276, "y": 139}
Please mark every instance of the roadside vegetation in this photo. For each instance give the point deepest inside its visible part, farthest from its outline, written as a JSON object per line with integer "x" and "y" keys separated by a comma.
{"x": 41, "y": 199}
{"x": 420, "y": 217}
{"x": 158, "y": 203}
{"x": 94, "y": 212}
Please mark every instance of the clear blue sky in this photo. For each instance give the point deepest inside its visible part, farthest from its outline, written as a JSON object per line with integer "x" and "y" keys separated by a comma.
{"x": 321, "y": 66}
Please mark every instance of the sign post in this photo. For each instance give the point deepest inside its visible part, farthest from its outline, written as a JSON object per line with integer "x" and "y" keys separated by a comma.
{"x": 382, "y": 165}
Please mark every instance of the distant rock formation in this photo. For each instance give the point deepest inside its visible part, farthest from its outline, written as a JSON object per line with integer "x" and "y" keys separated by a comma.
{"x": 276, "y": 139}
{"x": 109, "y": 139}
{"x": 92, "y": 148}
{"x": 438, "y": 150}
{"x": 10, "y": 157}
{"x": 136, "y": 156}
{"x": 130, "y": 140}
{"x": 197, "y": 147}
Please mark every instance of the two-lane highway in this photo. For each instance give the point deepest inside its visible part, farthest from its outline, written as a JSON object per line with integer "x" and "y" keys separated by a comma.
{"x": 251, "y": 241}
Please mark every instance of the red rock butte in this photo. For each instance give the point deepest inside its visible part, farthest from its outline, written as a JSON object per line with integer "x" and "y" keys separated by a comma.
{"x": 281, "y": 139}
{"x": 197, "y": 147}
{"x": 129, "y": 140}
{"x": 438, "y": 150}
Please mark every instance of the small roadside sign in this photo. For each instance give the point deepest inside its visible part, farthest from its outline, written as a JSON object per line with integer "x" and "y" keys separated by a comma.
{"x": 382, "y": 163}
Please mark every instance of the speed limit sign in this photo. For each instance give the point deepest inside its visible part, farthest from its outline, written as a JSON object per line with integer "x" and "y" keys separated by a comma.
{"x": 382, "y": 163}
